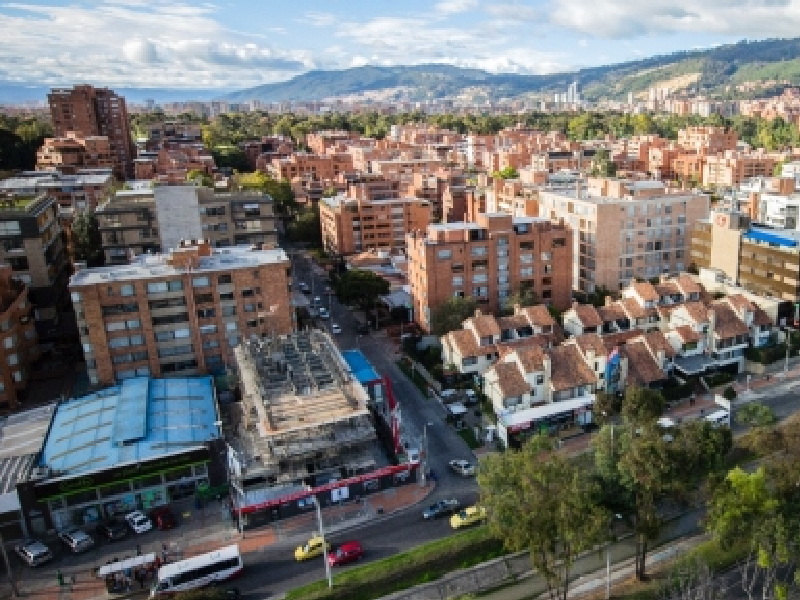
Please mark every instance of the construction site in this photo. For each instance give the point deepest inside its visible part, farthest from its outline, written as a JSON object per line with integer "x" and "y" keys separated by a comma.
{"x": 303, "y": 421}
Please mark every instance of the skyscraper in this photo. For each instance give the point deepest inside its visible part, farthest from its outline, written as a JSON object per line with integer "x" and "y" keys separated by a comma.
{"x": 90, "y": 111}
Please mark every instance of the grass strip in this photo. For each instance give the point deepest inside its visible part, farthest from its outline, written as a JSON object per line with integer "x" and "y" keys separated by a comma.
{"x": 422, "y": 564}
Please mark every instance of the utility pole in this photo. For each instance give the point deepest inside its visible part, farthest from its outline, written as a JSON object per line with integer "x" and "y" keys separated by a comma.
{"x": 13, "y": 583}
{"x": 324, "y": 544}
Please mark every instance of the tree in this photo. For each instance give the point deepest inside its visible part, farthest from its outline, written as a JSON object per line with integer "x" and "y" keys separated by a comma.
{"x": 86, "y": 239}
{"x": 642, "y": 406}
{"x": 450, "y": 314}
{"x": 522, "y": 298}
{"x": 603, "y": 165}
{"x": 507, "y": 173}
{"x": 200, "y": 176}
{"x": 607, "y": 404}
{"x": 729, "y": 393}
{"x": 541, "y": 502}
{"x": 361, "y": 288}
{"x": 755, "y": 414}
{"x": 306, "y": 228}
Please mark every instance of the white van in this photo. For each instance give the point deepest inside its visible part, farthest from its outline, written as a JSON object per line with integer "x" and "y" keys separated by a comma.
{"x": 719, "y": 417}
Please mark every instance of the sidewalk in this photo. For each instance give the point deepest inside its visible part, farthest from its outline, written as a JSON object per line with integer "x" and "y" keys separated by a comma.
{"x": 41, "y": 584}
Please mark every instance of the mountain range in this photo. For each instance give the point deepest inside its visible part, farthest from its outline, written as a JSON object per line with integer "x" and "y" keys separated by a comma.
{"x": 744, "y": 69}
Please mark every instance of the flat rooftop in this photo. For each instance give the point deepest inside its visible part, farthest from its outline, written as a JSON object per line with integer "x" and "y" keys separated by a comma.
{"x": 151, "y": 266}
{"x": 48, "y": 180}
{"x": 569, "y": 192}
{"x": 21, "y": 439}
{"x": 337, "y": 201}
{"x": 140, "y": 419}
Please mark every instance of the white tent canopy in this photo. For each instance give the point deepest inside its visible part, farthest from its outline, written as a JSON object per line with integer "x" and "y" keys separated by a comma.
{"x": 128, "y": 563}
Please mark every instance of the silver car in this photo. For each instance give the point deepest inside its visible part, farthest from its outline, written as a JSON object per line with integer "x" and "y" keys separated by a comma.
{"x": 76, "y": 540}
{"x": 33, "y": 552}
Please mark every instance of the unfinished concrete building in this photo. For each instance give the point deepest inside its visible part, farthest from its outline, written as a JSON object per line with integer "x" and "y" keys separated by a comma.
{"x": 303, "y": 420}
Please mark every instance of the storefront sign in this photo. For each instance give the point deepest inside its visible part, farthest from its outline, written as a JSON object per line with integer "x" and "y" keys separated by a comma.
{"x": 399, "y": 470}
{"x": 116, "y": 474}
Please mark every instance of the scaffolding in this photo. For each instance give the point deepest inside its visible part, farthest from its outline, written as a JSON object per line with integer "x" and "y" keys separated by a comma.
{"x": 302, "y": 413}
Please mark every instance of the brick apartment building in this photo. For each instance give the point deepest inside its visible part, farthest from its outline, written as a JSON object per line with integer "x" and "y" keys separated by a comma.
{"x": 90, "y": 111}
{"x": 153, "y": 220}
{"x": 317, "y": 166}
{"x": 85, "y": 189}
{"x": 708, "y": 140}
{"x": 181, "y": 313}
{"x": 352, "y": 225}
{"x": 731, "y": 168}
{"x": 624, "y": 230}
{"x": 72, "y": 153}
{"x": 31, "y": 242}
{"x": 489, "y": 260}
{"x": 17, "y": 336}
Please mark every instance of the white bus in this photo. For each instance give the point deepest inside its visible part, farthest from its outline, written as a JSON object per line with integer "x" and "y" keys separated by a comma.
{"x": 198, "y": 571}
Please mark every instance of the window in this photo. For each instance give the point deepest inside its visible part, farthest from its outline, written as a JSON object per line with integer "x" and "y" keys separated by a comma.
{"x": 176, "y": 285}
{"x": 203, "y": 298}
{"x": 208, "y": 329}
{"x": 526, "y": 272}
{"x": 205, "y": 313}
{"x": 252, "y": 323}
{"x": 118, "y": 326}
{"x": 547, "y": 256}
{"x": 226, "y": 297}
{"x": 444, "y": 254}
{"x": 247, "y": 293}
{"x": 200, "y": 282}
{"x": 157, "y": 288}
{"x": 457, "y": 281}
{"x": 228, "y": 311}
{"x": 170, "y": 319}
{"x": 133, "y": 324}
{"x": 213, "y": 343}
{"x": 224, "y": 279}
{"x": 478, "y": 251}
{"x": 120, "y": 342}
{"x": 230, "y": 326}
{"x": 13, "y": 359}
{"x": 469, "y": 361}
{"x": 249, "y": 307}
{"x": 182, "y": 333}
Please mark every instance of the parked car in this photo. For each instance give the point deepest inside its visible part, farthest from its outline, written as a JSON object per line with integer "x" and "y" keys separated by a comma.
{"x": 468, "y": 516}
{"x": 76, "y": 540}
{"x": 138, "y": 522}
{"x": 112, "y": 530}
{"x": 462, "y": 467}
{"x": 324, "y": 314}
{"x": 312, "y": 548}
{"x": 163, "y": 518}
{"x": 345, "y": 553}
{"x": 441, "y": 509}
{"x": 304, "y": 288}
{"x": 335, "y": 328}
{"x": 33, "y": 552}
{"x": 317, "y": 301}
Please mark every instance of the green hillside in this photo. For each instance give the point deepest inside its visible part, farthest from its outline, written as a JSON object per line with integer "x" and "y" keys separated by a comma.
{"x": 709, "y": 71}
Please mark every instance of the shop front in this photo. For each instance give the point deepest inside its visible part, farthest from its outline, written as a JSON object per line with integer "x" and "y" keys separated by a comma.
{"x": 550, "y": 419}
{"x": 87, "y": 499}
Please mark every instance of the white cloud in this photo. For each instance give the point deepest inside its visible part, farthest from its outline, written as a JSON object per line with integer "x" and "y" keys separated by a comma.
{"x": 136, "y": 43}
{"x": 452, "y": 7}
{"x": 625, "y": 19}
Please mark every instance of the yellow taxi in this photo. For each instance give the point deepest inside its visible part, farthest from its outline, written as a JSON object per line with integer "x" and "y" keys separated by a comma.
{"x": 468, "y": 516}
{"x": 312, "y": 548}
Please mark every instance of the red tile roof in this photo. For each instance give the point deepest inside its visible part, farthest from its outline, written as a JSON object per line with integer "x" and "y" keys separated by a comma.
{"x": 642, "y": 368}
{"x": 510, "y": 380}
{"x": 645, "y": 291}
{"x": 568, "y": 369}
{"x": 538, "y": 315}
{"x": 587, "y": 315}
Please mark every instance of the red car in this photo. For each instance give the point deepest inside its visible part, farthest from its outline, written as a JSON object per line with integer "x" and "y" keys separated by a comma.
{"x": 345, "y": 553}
{"x": 163, "y": 518}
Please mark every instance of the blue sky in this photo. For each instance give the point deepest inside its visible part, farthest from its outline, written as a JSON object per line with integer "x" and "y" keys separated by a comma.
{"x": 241, "y": 43}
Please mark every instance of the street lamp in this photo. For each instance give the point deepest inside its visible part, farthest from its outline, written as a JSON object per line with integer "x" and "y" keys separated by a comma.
{"x": 424, "y": 461}
{"x": 608, "y": 555}
{"x": 324, "y": 545}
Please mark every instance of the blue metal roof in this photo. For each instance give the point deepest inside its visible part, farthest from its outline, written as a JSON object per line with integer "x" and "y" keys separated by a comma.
{"x": 138, "y": 420}
{"x": 771, "y": 237}
{"x": 359, "y": 365}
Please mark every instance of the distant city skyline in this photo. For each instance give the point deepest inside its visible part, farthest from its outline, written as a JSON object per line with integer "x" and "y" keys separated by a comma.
{"x": 242, "y": 43}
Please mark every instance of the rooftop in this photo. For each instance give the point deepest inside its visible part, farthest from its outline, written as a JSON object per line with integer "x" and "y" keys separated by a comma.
{"x": 152, "y": 266}
{"x": 51, "y": 179}
{"x": 138, "y": 420}
{"x": 21, "y": 438}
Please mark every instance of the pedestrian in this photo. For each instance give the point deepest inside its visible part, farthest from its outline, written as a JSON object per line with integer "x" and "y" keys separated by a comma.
{"x": 72, "y": 578}
{"x": 138, "y": 550}
{"x": 60, "y": 577}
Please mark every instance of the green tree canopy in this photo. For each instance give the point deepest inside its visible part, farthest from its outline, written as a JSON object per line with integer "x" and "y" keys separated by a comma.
{"x": 361, "y": 288}
{"x": 450, "y": 314}
{"x": 86, "y": 239}
{"x": 642, "y": 406}
{"x": 507, "y": 173}
{"x": 541, "y": 502}
{"x": 197, "y": 175}
{"x": 306, "y": 228}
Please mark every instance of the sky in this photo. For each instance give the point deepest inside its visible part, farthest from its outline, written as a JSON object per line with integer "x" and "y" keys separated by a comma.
{"x": 243, "y": 43}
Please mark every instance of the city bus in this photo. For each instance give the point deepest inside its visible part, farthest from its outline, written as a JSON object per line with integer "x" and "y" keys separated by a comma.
{"x": 198, "y": 571}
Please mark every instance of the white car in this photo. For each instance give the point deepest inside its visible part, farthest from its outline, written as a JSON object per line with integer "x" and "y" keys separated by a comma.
{"x": 462, "y": 467}
{"x": 324, "y": 314}
{"x": 138, "y": 522}
{"x": 335, "y": 328}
